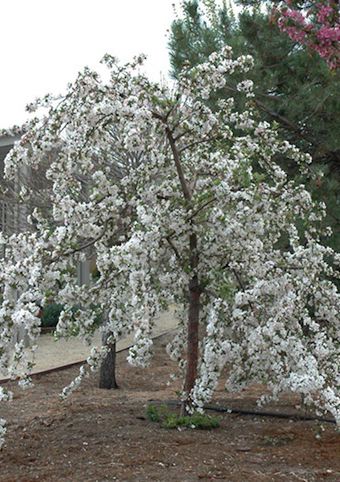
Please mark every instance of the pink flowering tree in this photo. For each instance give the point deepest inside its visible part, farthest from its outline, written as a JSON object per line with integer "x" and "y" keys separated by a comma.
{"x": 197, "y": 223}
{"x": 314, "y": 24}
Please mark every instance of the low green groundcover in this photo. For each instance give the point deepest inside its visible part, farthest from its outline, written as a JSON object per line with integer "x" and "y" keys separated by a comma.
{"x": 168, "y": 419}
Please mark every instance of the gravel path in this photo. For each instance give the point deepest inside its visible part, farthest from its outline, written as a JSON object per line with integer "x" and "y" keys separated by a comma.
{"x": 53, "y": 354}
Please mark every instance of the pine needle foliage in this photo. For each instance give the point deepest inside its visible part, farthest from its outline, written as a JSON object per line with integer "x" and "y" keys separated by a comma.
{"x": 295, "y": 88}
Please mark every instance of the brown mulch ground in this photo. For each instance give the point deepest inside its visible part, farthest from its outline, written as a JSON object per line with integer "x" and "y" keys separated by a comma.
{"x": 100, "y": 435}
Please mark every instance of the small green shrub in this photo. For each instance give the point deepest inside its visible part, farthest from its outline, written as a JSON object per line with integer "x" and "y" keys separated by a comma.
{"x": 50, "y": 314}
{"x": 152, "y": 414}
{"x": 171, "y": 420}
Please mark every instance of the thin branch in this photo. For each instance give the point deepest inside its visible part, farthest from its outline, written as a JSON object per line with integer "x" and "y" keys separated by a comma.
{"x": 176, "y": 156}
{"x": 190, "y": 218}
{"x": 198, "y": 210}
{"x": 201, "y": 141}
{"x": 275, "y": 115}
{"x": 283, "y": 120}
{"x": 178, "y": 164}
{"x": 175, "y": 250}
{"x": 87, "y": 245}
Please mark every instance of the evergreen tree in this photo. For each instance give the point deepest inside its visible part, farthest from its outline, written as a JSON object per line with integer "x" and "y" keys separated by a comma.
{"x": 294, "y": 87}
{"x": 315, "y": 25}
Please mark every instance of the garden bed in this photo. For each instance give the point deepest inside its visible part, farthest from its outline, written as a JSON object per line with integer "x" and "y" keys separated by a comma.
{"x": 99, "y": 435}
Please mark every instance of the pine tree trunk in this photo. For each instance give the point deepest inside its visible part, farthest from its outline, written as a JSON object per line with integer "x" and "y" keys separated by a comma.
{"x": 193, "y": 328}
{"x": 107, "y": 374}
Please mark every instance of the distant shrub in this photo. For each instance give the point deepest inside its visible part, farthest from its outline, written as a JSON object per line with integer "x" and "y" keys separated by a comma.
{"x": 50, "y": 314}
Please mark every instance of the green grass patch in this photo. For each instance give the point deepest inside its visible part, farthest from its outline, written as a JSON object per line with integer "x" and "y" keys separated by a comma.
{"x": 171, "y": 420}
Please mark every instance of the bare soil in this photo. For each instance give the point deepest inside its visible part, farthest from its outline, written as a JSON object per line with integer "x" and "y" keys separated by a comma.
{"x": 103, "y": 435}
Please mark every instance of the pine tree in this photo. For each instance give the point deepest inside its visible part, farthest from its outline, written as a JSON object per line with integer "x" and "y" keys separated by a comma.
{"x": 294, "y": 87}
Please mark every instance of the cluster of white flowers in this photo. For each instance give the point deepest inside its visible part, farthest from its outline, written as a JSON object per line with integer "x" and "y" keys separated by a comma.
{"x": 176, "y": 202}
{"x": 215, "y": 352}
{"x": 67, "y": 391}
{"x": 247, "y": 87}
{"x": 3, "y": 431}
{"x": 5, "y": 395}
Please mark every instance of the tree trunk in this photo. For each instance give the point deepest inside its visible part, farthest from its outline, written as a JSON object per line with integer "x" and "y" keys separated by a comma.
{"x": 194, "y": 286}
{"x": 107, "y": 375}
{"x": 193, "y": 328}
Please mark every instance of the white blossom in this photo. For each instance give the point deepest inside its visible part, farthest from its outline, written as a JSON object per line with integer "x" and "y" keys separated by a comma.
{"x": 135, "y": 171}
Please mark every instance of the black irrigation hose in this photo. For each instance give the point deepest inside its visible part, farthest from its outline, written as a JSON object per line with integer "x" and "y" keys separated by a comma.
{"x": 257, "y": 413}
{"x": 238, "y": 411}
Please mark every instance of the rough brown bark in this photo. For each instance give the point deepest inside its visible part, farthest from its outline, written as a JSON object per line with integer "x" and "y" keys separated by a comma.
{"x": 107, "y": 373}
{"x": 193, "y": 327}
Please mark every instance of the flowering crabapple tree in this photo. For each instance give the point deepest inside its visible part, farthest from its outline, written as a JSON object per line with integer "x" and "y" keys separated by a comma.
{"x": 198, "y": 224}
{"x": 314, "y": 24}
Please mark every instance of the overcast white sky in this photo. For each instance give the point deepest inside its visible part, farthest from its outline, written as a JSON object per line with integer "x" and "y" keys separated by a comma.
{"x": 43, "y": 43}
